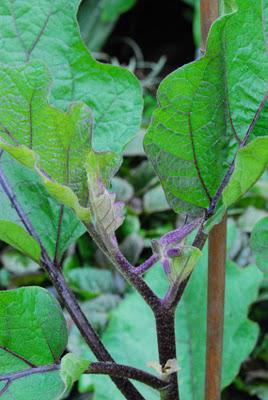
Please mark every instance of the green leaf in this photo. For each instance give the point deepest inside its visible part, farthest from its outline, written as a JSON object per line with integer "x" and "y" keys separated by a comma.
{"x": 113, "y": 8}
{"x": 250, "y": 164}
{"x": 72, "y": 367}
{"x": 240, "y": 334}
{"x": 49, "y": 33}
{"x": 90, "y": 282}
{"x": 17, "y": 263}
{"x": 18, "y": 238}
{"x": 182, "y": 265}
{"x": 33, "y": 336}
{"x": 54, "y": 143}
{"x": 98, "y": 312}
{"x": 199, "y": 125}
{"x": 259, "y": 244}
{"x": 42, "y": 211}
{"x": 155, "y": 200}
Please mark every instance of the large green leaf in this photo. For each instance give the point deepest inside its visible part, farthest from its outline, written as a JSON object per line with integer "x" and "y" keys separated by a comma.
{"x": 55, "y": 143}
{"x": 207, "y": 107}
{"x": 48, "y": 31}
{"x": 33, "y": 336}
{"x": 42, "y": 211}
{"x": 127, "y": 330}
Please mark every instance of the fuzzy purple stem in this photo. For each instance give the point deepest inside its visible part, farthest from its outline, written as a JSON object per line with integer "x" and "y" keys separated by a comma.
{"x": 142, "y": 268}
{"x": 179, "y": 234}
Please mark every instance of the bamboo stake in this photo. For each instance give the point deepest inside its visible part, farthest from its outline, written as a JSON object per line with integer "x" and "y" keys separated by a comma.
{"x": 209, "y": 11}
{"x": 215, "y": 309}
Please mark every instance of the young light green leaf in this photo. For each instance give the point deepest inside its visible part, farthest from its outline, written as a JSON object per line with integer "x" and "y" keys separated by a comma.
{"x": 32, "y": 30}
{"x": 18, "y": 238}
{"x": 55, "y": 143}
{"x": 250, "y": 164}
{"x": 259, "y": 244}
{"x": 240, "y": 334}
{"x": 72, "y": 367}
{"x": 107, "y": 214}
{"x": 182, "y": 265}
{"x": 33, "y": 336}
{"x": 42, "y": 211}
{"x": 200, "y": 123}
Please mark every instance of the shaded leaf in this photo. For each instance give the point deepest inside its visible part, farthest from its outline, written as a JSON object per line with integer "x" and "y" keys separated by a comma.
{"x": 43, "y": 211}
{"x": 90, "y": 282}
{"x": 123, "y": 189}
{"x": 155, "y": 200}
{"x": 259, "y": 244}
{"x": 17, "y": 263}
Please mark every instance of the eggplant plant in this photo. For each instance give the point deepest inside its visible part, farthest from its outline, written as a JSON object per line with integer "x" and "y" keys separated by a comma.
{"x": 65, "y": 120}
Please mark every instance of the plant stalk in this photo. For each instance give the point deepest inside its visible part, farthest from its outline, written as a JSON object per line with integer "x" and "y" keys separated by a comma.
{"x": 215, "y": 309}
{"x": 166, "y": 338}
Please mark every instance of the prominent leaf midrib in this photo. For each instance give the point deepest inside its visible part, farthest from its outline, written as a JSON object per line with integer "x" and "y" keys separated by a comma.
{"x": 19, "y": 357}
{"x": 38, "y": 37}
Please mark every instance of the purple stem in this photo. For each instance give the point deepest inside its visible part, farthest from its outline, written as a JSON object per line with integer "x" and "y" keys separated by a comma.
{"x": 176, "y": 236}
{"x": 125, "y": 371}
{"x": 141, "y": 269}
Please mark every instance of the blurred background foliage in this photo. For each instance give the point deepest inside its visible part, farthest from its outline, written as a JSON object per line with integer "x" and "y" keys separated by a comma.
{"x": 151, "y": 40}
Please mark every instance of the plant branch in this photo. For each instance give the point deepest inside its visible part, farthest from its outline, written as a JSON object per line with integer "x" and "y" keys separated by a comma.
{"x": 142, "y": 268}
{"x": 57, "y": 247}
{"x": 125, "y": 371}
{"x": 106, "y": 368}
{"x": 114, "y": 254}
{"x": 166, "y": 338}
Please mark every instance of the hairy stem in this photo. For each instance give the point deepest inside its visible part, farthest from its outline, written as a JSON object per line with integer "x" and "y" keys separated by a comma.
{"x": 106, "y": 368}
{"x": 142, "y": 268}
{"x": 127, "y": 270}
{"x": 125, "y": 371}
{"x": 166, "y": 338}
